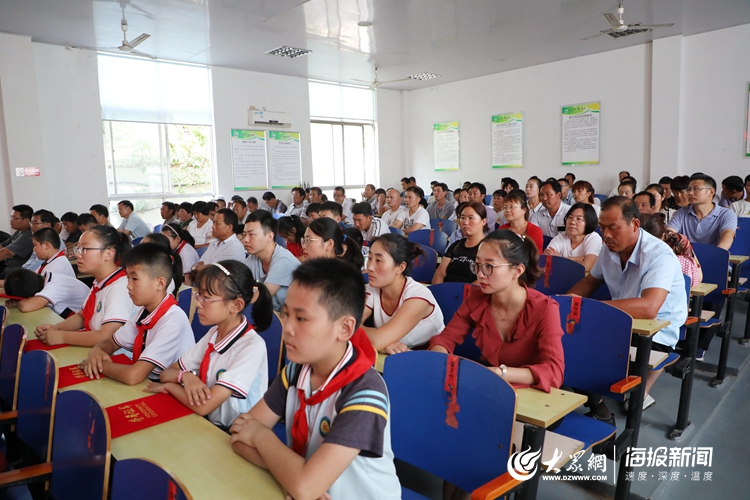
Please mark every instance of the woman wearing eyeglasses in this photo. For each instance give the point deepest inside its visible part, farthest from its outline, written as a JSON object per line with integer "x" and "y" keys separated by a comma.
{"x": 182, "y": 242}
{"x": 580, "y": 242}
{"x": 108, "y": 305}
{"x": 455, "y": 265}
{"x": 517, "y": 214}
{"x": 325, "y": 239}
{"x": 516, "y": 328}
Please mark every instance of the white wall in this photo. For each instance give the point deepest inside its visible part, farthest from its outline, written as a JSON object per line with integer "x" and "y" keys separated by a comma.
{"x": 391, "y": 142}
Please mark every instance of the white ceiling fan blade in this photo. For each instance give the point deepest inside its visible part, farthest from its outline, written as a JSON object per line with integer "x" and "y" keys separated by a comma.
{"x": 139, "y": 40}
{"x": 141, "y": 54}
{"x": 394, "y": 81}
{"x": 598, "y": 34}
{"x": 363, "y": 81}
{"x": 653, "y": 26}
{"x": 612, "y": 20}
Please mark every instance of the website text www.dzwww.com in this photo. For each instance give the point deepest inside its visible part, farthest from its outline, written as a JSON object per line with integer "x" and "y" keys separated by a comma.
{"x": 548, "y": 477}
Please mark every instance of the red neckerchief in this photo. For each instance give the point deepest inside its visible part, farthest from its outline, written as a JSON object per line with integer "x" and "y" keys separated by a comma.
{"x": 364, "y": 357}
{"x": 180, "y": 247}
{"x": 153, "y": 319}
{"x": 44, "y": 264}
{"x": 90, "y": 305}
{"x": 206, "y": 361}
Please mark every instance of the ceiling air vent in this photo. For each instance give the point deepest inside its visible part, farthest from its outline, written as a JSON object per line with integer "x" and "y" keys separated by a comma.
{"x": 628, "y": 32}
{"x": 290, "y": 52}
{"x": 424, "y": 76}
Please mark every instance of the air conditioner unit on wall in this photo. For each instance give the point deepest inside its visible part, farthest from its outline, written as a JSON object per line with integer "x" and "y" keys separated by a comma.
{"x": 267, "y": 118}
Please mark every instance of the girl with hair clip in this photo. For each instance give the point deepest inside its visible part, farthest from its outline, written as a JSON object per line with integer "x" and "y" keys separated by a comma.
{"x": 325, "y": 239}
{"x": 292, "y": 229}
{"x": 226, "y": 372}
{"x": 516, "y": 328}
{"x": 404, "y": 312}
{"x": 182, "y": 243}
{"x": 107, "y": 306}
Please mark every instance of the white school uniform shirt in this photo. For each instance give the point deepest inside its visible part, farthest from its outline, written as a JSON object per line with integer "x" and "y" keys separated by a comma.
{"x": 113, "y": 304}
{"x": 591, "y": 244}
{"x": 201, "y": 235}
{"x": 390, "y": 216}
{"x": 229, "y": 249}
{"x": 189, "y": 257}
{"x": 63, "y": 293}
{"x": 164, "y": 342}
{"x": 420, "y": 216}
{"x": 58, "y": 264}
{"x": 240, "y": 364}
{"x": 34, "y": 263}
{"x": 428, "y": 327}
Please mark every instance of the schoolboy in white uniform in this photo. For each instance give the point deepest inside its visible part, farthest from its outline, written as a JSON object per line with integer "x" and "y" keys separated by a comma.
{"x": 63, "y": 294}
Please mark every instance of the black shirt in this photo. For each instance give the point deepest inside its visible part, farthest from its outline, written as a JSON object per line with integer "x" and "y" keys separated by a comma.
{"x": 461, "y": 258}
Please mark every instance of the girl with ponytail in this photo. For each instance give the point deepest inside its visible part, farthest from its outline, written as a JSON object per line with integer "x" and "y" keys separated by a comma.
{"x": 183, "y": 244}
{"x": 325, "y": 238}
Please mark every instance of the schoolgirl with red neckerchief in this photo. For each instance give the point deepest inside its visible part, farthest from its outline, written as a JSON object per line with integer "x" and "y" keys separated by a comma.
{"x": 183, "y": 244}
{"x": 108, "y": 306}
{"x": 226, "y": 372}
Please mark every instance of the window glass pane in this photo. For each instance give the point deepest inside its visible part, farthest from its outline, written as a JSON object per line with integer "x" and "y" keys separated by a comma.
{"x": 325, "y": 100}
{"x": 108, "y": 158}
{"x": 137, "y": 157}
{"x": 357, "y": 103}
{"x": 338, "y": 155}
{"x": 321, "y": 142}
{"x": 369, "y": 136}
{"x": 354, "y": 155}
{"x": 340, "y": 102}
{"x": 189, "y": 158}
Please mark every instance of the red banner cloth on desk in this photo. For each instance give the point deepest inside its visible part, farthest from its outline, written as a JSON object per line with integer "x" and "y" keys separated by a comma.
{"x": 142, "y": 413}
{"x": 72, "y": 375}
{"x": 38, "y": 345}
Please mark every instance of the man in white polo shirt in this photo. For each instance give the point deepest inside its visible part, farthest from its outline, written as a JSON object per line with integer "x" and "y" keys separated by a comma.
{"x": 551, "y": 219}
{"x": 225, "y": 245}
{"x": 363, "y": 220}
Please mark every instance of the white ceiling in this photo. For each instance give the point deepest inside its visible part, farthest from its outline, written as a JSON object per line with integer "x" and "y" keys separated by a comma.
{"x": 458, "y": 39}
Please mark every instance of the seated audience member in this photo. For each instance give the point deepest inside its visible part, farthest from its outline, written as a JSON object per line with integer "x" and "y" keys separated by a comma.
{"x": 325, "y": 239}
{"x": 201, "y": 227}
{"x": 679, "y": 191}
{"x": 661, "y": 204}
{"x": 275, "y": 206}
{"x": 270, "y": 263}
{"x": 517, "y": 214}
{"x": 382, "y": 205}
{"x": 354, "y": 234}
{"x": 650, "y": 285}
{"x": 666, "y": 184}
{"x": 339, "y": 195}
{"x": 313, "y": 211}
{"x": 571, "y": 177}
{"x": 316, "y": 195}
{"x": 61, "y": 293}
{"x": 441, "y": 208}
{"x": 415, "y": 217}
{"x": 85, "y": 222}
{"x": 221, "y": 203}
{"x": 621, "y": 176}
{"x": 292, "y": 229}
{"x": 551, "y": 218}
{"x": 185, "y": 214}
{"x": 580, "y": 242}
{"x": 461, "y": 195}
{"x": 456, "y": 263}
{"x": 742, "y": 207}
{"x": 47, "y": 249}
{"x": 394, "y": 216}
{"x": 181, "y": 242}
{"x": 169, "y": 213}
{"x": 324, "y": 344}
{"x": 213, "y": 208}
{"x": 108, "y": 305}
{"x": 498, "y": 198}
{"x": 583, "y": 192}
{"x": 158, "y": 332}
{"x": 404, "y": 312}
{"x": 508, "y": 184}
{"x": 566, "y": 193}
{"x": 646, "y": 202}
{"x": 533, "y": 193}
{"x": 655, "y": 225}
{"x": 331, "y": 210}
{"x": 370, "y": 227}
{"x": 477, "y": 192}
{"x": 42, "y": 219}
{"x": 252, "y": 204}
{"x": 16, "y": 250}
{"x": 224, "y": 245}
{"x": 626, "y": 189}
{"x": 369, "y": 196}
{"x": 131, "y": 224}
{"x": 704, "y": 221}
{"x": 101, "y": 214}
{"x": 240, "y": 208}
{"x": 226, "y": 372}
{"x": 516, "y": 328}
{"x": 732, "y": 190}
{"x": 299, "y": 203}
{"x": 166, "y": 243}
{"x": 71, "y": 227}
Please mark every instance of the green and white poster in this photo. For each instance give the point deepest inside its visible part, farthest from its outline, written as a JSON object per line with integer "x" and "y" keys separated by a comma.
{"x": 507, "y": 140}
{"x": 249, "y": 160}
{"x": 445, "y": 146}
{"x": 284, "y": 159}
{"x": 580, "y": 134}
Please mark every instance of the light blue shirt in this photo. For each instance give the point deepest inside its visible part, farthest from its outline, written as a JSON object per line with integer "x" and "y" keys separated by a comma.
{"x": 706, "y": 231}
{"x": 136, "y": 226}
{"x": 280, "y": 270}
{"x": 229, "y": 249}
{"x": 652, "y": 265}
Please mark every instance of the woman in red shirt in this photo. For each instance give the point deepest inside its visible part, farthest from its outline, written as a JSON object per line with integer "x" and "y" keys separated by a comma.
{"x": 292, "y": 229}
{"x": 516, "y": 328}
{"x": 517, "y": 214}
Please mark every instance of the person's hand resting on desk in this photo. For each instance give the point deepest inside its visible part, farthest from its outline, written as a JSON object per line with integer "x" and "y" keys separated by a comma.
{"x": 11, "y": 304}
{"x": 395, "y": 348}
{"x": 48, "y": 335}
{"x": 196, "y": 391}
{"x": 93, "y": 365}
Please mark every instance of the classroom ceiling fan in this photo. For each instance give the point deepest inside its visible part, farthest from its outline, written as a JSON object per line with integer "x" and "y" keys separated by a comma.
{"x": 620, "y": 29}
{"x": 128, "y": 47}
{"x": 377, "y": 83}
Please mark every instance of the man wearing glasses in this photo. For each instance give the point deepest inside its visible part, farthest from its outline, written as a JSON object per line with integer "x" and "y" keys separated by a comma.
{"x": 16, "y": 250}
{"x": 703, "y": 221}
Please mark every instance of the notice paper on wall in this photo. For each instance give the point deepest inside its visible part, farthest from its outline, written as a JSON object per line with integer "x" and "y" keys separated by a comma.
{"x": 284, "y": 159}
{"x": 580, "y": 134}
{"x": 249, "y": 160}
{"x": 445, "y": 146}
{"x": 507, "y": 140}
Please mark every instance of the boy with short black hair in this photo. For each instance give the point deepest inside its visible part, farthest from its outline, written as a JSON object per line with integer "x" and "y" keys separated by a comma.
{"x": 68, "y": 220}
{"x": 336, "y": 405}
{"x": 158, "y": 334}
{"x": 85, "y": 222}
{"x": 47, "y": 248}
{"x": 62, "y": 293}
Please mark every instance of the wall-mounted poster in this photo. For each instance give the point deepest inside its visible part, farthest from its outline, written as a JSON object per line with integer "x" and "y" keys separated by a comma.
{"x": 507, "y": 140}
{"x": 249, "y": 160}
{"x": 284, "y": 159}
{"x": 445, "y": 146}
{"x": 580, "y": 134}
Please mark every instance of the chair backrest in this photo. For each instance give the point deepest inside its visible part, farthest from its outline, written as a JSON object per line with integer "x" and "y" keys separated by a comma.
{"x": 601, "y": 197}
{"x": 184, "y": 299}
{"x": 137, "y": 241}
{"x": 272, "y": 338}
{"x": 396, "y": 230}
{"x": 37, "y": 393}
{"x": 601, "y": 293}
{"x": 157, "y": 228}
{"x": 425, "y": 265}
{"x": 683, "y": 329}
{"x": 3, "y": 316}
{"x": 715, "y": 265}
{"x": 12, "y": 341}
{"x": 596, "y": 343}
{"x": 80, "y": 448}
{"x": 488, "y": 199}
{"x": 281, "y": 241}
{"x": 560, "y": 274}
{"x": 200, "y": 251}
{"x": 468, "y": 447}
{"x": 435, "y": 239}
{"x": 449, "y": 297}
{"x": 545, "y": 241}
{"x": 444, "y": 225}
{"x": 153, "y": 482}
{"x": 741, "y": 244}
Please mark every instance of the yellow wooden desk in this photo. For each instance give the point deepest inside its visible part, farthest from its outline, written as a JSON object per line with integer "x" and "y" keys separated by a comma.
{"x": 543, "y": 409}
{"x": 552, "y": 442}
{"x": 654, "y": 357}
{"x": 738, "y": 259}
{"x": 648, "y": 327}
{"x": 703, "y": 289}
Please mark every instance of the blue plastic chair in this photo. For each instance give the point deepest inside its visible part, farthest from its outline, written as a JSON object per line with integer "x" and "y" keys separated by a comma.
{"x": 157, "y": 228}
{"x": 435, "y": 239}
{"x": 12, "y": 342}
{"x": 137, "y": 241}
{"x": 444, "y": 225}
{"x": 425, "y": 265}
{"x": 37, "y": 393}
{"x": 154, "y": 483}
{"x": 469, "y": 448}
{"x": 3, "y": 316}
{"x": 274, "y": 347}
{"x": 560, "y": 274}
{"x": 601, "y": 197}
{"x": 488, "y": 199}
{"x": 449, "y": 297}
{"x": 741, "y": 246}
{"x": 201, "y": 251}
{"x": 545, "y": 242}
{"x": 280, "y": 241}
{"x": 396, "y": 230}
